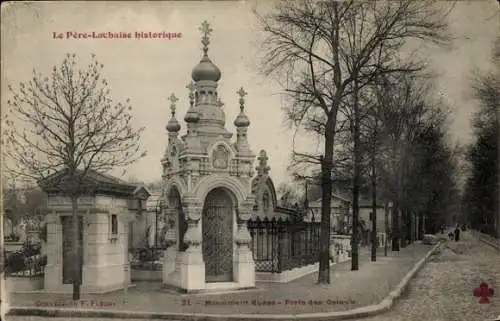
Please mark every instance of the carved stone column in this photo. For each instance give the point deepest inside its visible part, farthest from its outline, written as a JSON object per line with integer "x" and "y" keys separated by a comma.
{"x": 193, "y": 267}
{"x": 171, "y": 242}
{"x": 244, "y": 263}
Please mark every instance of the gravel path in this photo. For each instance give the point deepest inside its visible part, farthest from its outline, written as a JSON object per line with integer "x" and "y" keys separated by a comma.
{"x": 443, "y": 290}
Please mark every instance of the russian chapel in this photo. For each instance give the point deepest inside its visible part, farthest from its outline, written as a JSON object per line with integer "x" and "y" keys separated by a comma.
{"x": 207, "y": 177}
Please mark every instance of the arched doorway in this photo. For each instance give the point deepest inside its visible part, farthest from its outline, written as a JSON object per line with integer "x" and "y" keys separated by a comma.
{"x": 217, "y": 228}
{"x": 174, "y": 200}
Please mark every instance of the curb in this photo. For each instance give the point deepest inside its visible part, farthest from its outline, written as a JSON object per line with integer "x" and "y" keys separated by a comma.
{"x": 356, "y": 313}
{"x": 486, "y": 241}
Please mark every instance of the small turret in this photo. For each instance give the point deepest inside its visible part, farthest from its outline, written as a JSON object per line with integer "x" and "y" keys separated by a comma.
{"x": 173, "y": 125}
{"x": 242, "y": 119}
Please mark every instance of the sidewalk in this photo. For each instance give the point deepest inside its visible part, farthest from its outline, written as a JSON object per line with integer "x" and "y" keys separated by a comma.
{"x": 371, "y": 284}
{"x": 485, "y": 238}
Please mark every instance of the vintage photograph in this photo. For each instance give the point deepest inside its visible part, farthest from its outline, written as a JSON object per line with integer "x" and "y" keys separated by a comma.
{"x": 250, "y": 160}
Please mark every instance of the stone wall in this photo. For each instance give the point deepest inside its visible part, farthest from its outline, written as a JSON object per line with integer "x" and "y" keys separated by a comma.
{"x": 104, "y": 254}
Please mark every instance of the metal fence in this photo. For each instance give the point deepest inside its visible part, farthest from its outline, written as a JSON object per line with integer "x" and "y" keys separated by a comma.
{"x": 17, "y": 264}
{"x": 146, "y": 258}
{"x": 281, "y": 244}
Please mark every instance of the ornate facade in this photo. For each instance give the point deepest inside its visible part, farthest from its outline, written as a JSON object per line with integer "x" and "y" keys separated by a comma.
{"x": 207, "y": 189}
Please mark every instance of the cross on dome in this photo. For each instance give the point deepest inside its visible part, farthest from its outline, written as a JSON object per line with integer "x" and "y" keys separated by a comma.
{"x": 242, "y": 93}
{"x": 173, "y": 125}
{"x": 242, "y": 119}
{"x": 173, "y": 100}
{"x": 206, "y": 30}
{"x": 205, "y": 70}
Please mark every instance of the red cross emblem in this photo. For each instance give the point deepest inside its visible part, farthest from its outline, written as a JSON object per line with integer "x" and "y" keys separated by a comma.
{"x": 483, "y": 292}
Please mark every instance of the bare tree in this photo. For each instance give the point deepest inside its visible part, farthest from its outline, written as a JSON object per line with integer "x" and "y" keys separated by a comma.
{"x": 409, "y": 109}
{"x": 307, "y": 49}
{"x": 66, "y": 124}
{"x": 481, "y": 191}
{"x": 291, "y": 194}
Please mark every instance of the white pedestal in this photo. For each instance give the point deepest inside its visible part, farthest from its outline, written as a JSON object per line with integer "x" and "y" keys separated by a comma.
{"x": 169, "y": 263}
{"x": 244, "y": 271}
{"x": 192, "y": 272}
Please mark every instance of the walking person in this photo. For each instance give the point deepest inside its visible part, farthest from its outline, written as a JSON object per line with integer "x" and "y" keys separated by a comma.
{"x": 457, "y": 233}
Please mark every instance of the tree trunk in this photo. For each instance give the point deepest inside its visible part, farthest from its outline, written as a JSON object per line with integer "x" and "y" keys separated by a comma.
{"x": 386, "y": 228}
{"x": 356, "y": 183}
{"x": 395, "y": 227}
{"x": 404, "y": 229}
{"x": 326, "y": 198}
{"x": 374, "y": 211}
{"x": 75, "y": 242}
{"x": 421, "y": 226}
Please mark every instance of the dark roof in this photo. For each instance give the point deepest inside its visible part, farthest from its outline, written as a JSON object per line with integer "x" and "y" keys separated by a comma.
{"x": 92, "y": 183}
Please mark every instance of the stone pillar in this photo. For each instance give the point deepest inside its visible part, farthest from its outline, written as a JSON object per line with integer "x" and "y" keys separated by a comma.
{"x": 244, "y": 264}
{"x": 53, "y": 269}
{"x": 171, "y": 241}
{"x": 192, "y": 266}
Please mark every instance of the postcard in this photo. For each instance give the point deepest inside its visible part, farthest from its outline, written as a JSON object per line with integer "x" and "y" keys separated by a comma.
{"x": 250, "y": 160}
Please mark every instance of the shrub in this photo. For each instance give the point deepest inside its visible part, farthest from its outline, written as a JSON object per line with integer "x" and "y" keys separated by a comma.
{"x": 148, "y": 255}
{"x": 31, "y": 249}
{"x": 19, "y": 262}
{"x": 15, "y": 262}
{"x": 43, "y": 233}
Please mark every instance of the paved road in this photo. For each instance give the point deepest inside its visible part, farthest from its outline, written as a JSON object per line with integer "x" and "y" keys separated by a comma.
{"x": 443, "y": 290}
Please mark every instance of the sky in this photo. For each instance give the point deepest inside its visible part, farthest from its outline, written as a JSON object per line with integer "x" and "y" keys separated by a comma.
{"x": 149, "y": 71}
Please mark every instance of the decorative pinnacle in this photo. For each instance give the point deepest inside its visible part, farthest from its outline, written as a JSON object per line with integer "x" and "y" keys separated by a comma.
{"x": 263, "y": 168}
{"x": 242, "y": 94}
{"x": 191, "y": 88}
{"x": 172, "y": 99}
{"x": 206, "y": 30}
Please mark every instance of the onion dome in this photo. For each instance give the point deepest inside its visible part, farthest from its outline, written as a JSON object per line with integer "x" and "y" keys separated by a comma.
{"x": 173, "y": 125}
{"x": 206, "y": 70}
{"x": 242, "y": 119}
{"x": 192, "y": 116}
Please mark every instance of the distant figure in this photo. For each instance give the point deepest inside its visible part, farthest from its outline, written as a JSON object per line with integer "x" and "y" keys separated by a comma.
{"x": 450, "y": 236}
{"x": 457, "y": 233}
